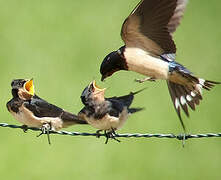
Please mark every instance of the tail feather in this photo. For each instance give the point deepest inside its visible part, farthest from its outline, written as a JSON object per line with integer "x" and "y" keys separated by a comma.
{"x": 208, "y": 85}
{"x": 134, "y": 93}
{"x": 184, "y": 96}
{"x": 173, "y": 93}
{"x": 180, "y": 91}
{"x": 133, "y": 110}
{"x": 189, "y": 99}
{"x": 71, "y": 119}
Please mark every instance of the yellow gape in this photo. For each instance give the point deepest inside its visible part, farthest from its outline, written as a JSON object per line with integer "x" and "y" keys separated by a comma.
{"x": 29, "y": 87}
{"x": 96, "y": 86}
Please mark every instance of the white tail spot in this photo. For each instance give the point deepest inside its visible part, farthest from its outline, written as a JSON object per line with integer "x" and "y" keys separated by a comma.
{"x": 193, "y": 94}
{"x": 201, "y": 81}
{"x": 199, "y": 88}
{"x": 189, "y": 98}
{"x": 182, "y": 100}
{"x": 177, "y": 103}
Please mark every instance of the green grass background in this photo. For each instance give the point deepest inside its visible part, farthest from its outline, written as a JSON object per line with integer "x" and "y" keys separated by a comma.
{"x": 61, "y": 45}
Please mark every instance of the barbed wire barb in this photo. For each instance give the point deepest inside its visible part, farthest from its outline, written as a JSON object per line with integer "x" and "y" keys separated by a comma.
{"x": 181, "y": 137}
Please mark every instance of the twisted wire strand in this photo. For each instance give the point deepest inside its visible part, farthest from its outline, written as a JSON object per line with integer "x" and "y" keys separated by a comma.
{"x": 128, "y": 135}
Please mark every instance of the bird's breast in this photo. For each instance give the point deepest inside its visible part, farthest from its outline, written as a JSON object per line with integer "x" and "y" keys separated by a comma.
{"x": 108, "y": 122}
{"x": 142, "y": 62}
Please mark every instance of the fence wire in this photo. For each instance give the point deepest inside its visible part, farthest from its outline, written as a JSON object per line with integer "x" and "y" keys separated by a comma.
{"x": 128, "y": 135}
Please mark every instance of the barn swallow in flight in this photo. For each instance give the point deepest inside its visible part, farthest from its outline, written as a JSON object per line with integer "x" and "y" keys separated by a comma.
{"x": 108, "y": 114}
{"x": 150, "y": 50}
{"x": 32, "y": 111}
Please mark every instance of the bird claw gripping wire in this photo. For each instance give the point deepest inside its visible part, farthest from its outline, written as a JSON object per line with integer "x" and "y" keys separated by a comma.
{"x": 24, "y": 128}
{"x": 111, "y": 134}
{"x": 98, "y": 134}
{"x": 45, "y": 129}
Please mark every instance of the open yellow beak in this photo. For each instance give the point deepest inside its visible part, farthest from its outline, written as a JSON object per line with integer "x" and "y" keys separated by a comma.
{"x": 29, "y": 87}
{"x": 96, "y": 87}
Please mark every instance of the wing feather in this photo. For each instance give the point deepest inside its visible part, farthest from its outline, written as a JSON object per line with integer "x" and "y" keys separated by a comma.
{"x": 42, "y": 108}
{"x": 151, "y": 24}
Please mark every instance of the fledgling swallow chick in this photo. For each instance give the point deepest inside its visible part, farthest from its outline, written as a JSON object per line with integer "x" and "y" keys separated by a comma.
{"x": 108, "y": 114}
{"x": 32, "y": 111}
{"x": 151, "y": 51}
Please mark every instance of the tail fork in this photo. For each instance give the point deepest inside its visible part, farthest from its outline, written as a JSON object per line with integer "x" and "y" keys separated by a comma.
{"x": 133, "y": 110}
{"x": 184, "y": 95}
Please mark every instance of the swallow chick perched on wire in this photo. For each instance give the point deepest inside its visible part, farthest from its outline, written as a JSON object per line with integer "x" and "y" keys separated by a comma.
{"x": 108, "y": 114}
{"x": 32, "y": 111}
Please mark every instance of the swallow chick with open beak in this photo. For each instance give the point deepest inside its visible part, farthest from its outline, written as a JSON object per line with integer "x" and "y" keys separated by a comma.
{"x": 150, "y": 50}
{"x": 32, "y": 111}
{"x": 108, "y": 114}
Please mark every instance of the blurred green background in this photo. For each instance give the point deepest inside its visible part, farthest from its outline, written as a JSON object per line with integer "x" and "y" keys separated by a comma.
{"x": 61, "y": 45}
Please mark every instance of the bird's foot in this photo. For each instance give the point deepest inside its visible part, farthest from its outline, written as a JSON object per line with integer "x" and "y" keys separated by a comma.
{"x": 24, "y": 128}
{"x": 151, "y": 79}
{"x": 45, "y": 129}
{"x": 111, "y": 134}
{"x": 98, "y": 134}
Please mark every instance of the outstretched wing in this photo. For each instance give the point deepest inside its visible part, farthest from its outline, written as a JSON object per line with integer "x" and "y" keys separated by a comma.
{"x": 151, "y": 24}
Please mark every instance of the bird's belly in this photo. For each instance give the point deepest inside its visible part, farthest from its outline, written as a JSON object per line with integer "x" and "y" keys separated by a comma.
{"x": 22, "y": 118}
{"x": 26, "y": 117}
{"x": 109, "y": 122}
{"x": 141, "y": 62}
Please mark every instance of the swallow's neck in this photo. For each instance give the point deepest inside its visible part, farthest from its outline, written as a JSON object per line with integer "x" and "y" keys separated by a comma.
{"x": 24, "y": 95}
{"x": 15, "y": 93}
{"x": 98, "y": 100}
{"x": 95, "y": 99}
{"x": 122, "y": 61}
{"x": 141, "y": 62}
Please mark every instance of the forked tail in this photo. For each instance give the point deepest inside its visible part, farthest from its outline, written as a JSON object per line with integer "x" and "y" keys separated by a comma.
{"x": 71, "y": 119}
{"x": 189, "y": 94}
{"x": 133, "y": 110}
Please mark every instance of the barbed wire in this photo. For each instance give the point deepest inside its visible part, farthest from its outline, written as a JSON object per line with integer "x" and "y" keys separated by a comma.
{"x": 128, "y": 135}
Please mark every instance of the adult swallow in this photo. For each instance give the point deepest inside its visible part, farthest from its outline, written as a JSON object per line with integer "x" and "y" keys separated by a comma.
{"x": 150, "y": 50}
{"x": 108, "y": 114}
{"x": 32, "y": 111}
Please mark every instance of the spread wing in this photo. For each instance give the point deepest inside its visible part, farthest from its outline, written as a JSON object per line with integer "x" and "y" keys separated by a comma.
{"x": 151, "y": 24}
